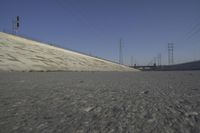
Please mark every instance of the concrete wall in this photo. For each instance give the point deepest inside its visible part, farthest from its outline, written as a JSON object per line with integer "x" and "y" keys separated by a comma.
{"x": 195, "y": 65}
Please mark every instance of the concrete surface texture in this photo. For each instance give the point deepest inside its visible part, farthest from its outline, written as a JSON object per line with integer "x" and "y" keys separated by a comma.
{"x": 100, "y": 102}
{"x": 19, "y": 54}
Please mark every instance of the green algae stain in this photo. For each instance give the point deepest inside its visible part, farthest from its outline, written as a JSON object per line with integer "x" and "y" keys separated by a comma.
{"x": 3, "y": 43}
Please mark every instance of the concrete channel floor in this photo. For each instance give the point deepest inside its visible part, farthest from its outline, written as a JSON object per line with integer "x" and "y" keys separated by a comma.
{"x": 100, "y": 102}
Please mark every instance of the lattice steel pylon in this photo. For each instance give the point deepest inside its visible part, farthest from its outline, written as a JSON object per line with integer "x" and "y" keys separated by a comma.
{"x": 120, "y": 52}
{"x": 170, "y": 53}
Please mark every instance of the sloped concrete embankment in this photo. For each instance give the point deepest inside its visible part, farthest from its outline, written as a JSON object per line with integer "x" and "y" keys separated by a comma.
{"x": 20, "y": 54}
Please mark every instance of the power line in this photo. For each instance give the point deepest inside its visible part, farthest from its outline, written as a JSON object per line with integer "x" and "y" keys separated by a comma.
{"x": 194, "y": 33}
{"x": 195, "y": 29}
{"x": 71, "y": 11}
{"x": 77, "y": 14}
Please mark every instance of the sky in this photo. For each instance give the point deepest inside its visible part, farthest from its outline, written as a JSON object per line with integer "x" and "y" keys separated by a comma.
{"x": 96, "y": 26}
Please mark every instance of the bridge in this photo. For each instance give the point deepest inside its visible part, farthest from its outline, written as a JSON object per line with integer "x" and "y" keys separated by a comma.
{"x": 146, "y": 67}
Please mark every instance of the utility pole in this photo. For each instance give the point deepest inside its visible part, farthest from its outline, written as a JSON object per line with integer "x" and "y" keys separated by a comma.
{"x": 120, "y": 52}
{"x": 131, "y": 60}
{"x": 170, "y": 53}
{"x": 15, "y": 25}
{"x": 154, "y": 62}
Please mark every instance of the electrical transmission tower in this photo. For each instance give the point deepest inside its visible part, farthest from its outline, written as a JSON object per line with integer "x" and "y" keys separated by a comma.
{"x": 120, "y": 52}
{"x": 159, "y": 59}
{"x": 170, "y": 53}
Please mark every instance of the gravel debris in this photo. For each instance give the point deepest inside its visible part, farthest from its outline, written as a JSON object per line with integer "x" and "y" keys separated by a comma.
{"x": 100, "y": 102}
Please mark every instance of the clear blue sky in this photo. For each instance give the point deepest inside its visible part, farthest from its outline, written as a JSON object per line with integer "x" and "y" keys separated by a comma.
{"x": 95, "y": 26}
